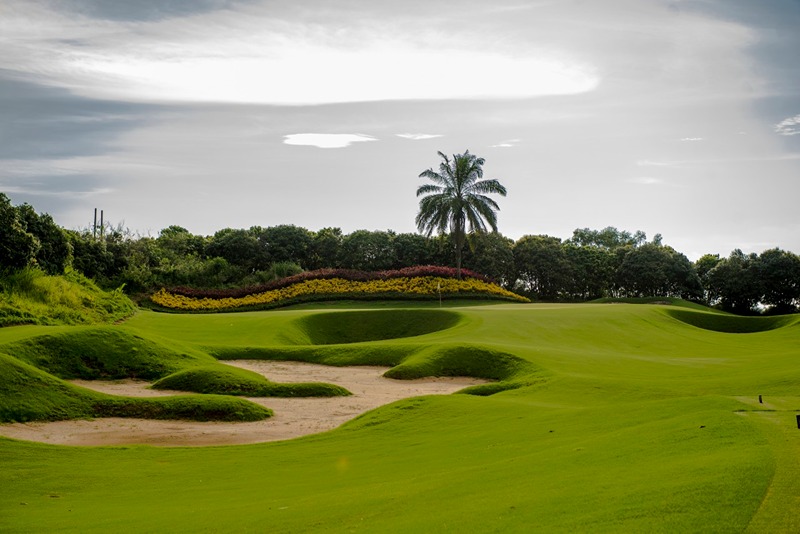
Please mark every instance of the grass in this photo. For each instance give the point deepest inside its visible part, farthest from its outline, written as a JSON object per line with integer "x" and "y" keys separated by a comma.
{"x": 31, "y": 297}
{"x": 663, "y": 301}
{"x": 30, "y": 394}
{"x": 374, "y": 325}
{"x": 233, "y": 381}
{"x": 104, "y": 352}
{"x": 732, "y": 324}
{"x": 605, "y": 418}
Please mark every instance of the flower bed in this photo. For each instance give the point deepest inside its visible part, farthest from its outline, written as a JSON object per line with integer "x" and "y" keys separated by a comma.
{"x": 327, "y": 274}
{"x": 323, "y": 288}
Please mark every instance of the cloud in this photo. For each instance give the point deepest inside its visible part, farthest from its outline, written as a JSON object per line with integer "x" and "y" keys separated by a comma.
{"x": 141, "y": 10}
{"x": 790, "y": 126}
{"x": 47, "y": 122}
{"x": 418, "y": 136}
{"x": 508, "y": 143}
{"x": 646, "y": 180}
{"x": 652, "y": 163}
{"x": 242, "y": 55}
{"x": 63, "y": 184}
{"x": 692, "y": 139}
{"x": 326, "y": 140}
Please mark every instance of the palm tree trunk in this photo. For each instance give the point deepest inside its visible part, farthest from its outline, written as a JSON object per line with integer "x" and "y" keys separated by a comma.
{"x": 459, "y": 239}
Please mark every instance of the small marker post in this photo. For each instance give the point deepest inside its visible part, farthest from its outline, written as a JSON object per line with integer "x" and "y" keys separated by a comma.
{"x": 759, "y": 400}
{"x": 798, "y": 421}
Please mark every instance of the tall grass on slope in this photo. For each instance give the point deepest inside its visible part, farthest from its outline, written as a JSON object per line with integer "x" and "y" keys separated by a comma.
{"x": 30, "y": 296}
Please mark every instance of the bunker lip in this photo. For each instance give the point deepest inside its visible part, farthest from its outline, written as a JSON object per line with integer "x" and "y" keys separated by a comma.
{"x": 344, "y": 327}
{"x": 294, "y": 417}
{"x": 731, "y": 324}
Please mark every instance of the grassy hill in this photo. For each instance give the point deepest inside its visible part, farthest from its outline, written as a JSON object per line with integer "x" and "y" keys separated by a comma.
{"x": 605, "y": 418}
{"x": 30, "y": 296}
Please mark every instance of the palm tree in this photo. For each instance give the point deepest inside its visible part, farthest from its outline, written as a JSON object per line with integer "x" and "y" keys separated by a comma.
{"x": 457, "y": 198}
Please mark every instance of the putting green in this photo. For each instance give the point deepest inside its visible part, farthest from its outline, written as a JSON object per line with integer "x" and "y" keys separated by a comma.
{"x": 617, "y": 418}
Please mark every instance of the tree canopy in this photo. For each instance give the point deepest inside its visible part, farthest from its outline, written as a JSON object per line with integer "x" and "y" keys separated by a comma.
{"x": 590, "y": 265}
{"x": 457, "y": 201}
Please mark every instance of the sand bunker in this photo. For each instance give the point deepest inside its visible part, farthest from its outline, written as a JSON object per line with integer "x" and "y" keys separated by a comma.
{"x": 293, "y": 417}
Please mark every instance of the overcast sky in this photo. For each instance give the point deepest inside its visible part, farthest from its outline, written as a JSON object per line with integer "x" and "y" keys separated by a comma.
{"x": 672, "y": 117}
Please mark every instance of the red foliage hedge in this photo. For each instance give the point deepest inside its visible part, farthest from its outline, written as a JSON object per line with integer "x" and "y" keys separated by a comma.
{"x": 346, "y": 274}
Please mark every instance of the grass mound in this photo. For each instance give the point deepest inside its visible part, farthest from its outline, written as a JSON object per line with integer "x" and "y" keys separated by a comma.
{"x": 663, "y": 301}
{"x": 233, "y": 381}
{"x": 731, "y": 324}
{"x": 374, "y": 325}
{"x": 190, "y": 407}
{"x": 103, "y": 352}
{"x": 30, "y": 394}
{"x": 31, "y": 388}
{"x": 30, "y": 296}
{"x": 510, "y": 371}
{"x": 334, "y": 355}
{"x": 409, "y": 362}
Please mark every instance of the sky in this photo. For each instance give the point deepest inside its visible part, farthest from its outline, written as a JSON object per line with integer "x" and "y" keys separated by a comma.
{"x": 678, "y": 117}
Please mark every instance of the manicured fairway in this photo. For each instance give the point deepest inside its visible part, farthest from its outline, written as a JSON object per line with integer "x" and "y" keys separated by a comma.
{"x": 614, "y": 418}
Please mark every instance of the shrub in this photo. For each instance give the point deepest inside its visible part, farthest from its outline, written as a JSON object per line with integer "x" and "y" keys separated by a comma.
{"x": 319, "y": 288}
{"x": 328, "y": 274}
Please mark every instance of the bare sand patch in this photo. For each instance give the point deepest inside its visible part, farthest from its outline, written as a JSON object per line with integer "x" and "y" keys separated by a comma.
{"x": 294, "y": 417}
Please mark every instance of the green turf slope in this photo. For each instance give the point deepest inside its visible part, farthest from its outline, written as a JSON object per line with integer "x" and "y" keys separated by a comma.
{"x": 32, "y": 369}
{"x": 410, "y": 341}
{"x": 626, "y": 419}
{"x": 107, "y": 352}
{"x": 30, "y": 394}
{"x": 31, "y": 297}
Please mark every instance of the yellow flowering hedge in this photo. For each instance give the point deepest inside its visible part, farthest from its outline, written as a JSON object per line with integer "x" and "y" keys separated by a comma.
{"x": 319, "y": 289}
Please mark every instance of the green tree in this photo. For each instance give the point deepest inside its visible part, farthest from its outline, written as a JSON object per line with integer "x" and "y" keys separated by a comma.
{"x": 735, "y": 283}
{"x": 145, "y": 260}
{"x": 608, "y": 238}
{"x": 54, "y": 251}
{"x": 592, "y": 271}
{"x": 703, "y": 266}
{"x": 238, "y": 247}
{"x": 18, "y": 247}
{"x": 411, "y": 250}
{"x": 323, "y": 252}
{"x": 457, "y": 200}
{"x": 656, "y": 270}
{"x": 176, "y": 242}
{"x": 780, "y": 275}
{"x": 542, "y": 266}
{"x": 492, "y": 254}
{"x": 367, "y": 251}
{"x": 285, "y": 243}
{"x": 441, "y": 247}
{"x": 102, "y": 260}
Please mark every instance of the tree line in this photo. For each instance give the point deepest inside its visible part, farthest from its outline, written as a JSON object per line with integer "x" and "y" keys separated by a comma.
{"x": 591, "y": 264}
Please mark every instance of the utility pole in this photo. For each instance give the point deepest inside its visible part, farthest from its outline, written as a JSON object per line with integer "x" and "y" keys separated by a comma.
{"x": 102, "y": 228}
